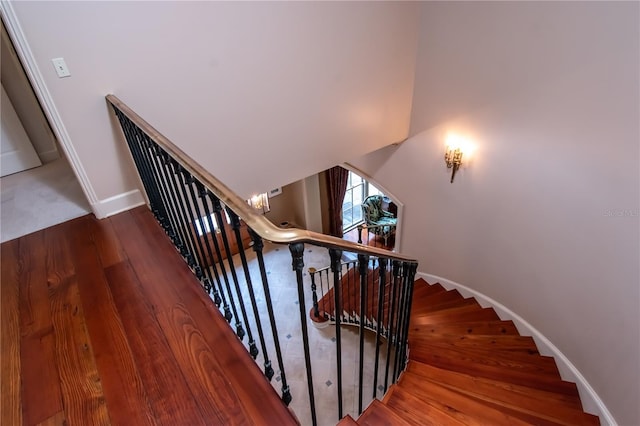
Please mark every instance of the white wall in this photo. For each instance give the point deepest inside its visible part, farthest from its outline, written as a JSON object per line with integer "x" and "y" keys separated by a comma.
{"x": 292, "y": 88}
{"x": 545, "y": 218}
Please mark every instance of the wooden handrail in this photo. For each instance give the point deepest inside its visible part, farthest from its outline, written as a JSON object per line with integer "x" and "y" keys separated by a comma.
{"x": 260, "y": 224}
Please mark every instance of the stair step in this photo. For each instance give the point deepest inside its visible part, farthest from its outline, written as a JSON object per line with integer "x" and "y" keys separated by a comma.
{"x": 528, "y": 404}
{"x": 510, "y": 372}
{"x": 467, "y": 328}
{"x": 433, "y": 392}
{"x": 487, "y": 342}
{"x": 435, "y": 298}
{"x": 347, "y": 421}
{"x": 422, "y": 287}
{"x": 378, "y": 414}
{"x": 514, "y": 359}
{"x": 421, "y": 413}
{"x": 429, "y": 308}
{"x": 447, "y": 317}
{"x": 499, "y": 389}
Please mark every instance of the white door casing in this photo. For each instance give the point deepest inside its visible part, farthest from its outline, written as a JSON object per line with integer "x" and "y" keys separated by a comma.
{"x": 16, "y": 151}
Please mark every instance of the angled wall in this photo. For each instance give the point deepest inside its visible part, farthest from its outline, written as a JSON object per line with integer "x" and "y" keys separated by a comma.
{"x": 545, "y": 217}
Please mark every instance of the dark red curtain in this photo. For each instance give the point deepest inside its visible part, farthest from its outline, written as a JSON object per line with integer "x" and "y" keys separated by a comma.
{"x": 337, "y": 178}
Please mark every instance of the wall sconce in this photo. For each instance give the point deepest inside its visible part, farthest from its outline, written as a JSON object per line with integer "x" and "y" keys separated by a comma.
{"x": 260, "y": 202}
{"x": 453, "y": 154}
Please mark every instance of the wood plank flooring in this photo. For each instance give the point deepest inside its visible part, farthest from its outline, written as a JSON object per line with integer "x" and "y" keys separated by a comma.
{"x": 98, "y": 329}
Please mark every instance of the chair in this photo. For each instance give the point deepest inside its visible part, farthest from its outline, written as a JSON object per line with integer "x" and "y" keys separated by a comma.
{"x": 378, "y": 221}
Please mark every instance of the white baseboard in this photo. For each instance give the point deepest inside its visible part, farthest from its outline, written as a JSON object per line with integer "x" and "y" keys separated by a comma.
{"x": 591, "y": 402}
{"x": 117, "y": 204}
{"x": 49, "y": 156}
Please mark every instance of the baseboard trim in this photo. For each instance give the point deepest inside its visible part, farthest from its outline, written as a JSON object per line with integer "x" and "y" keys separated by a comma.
{"x": 117, "y": 204}
{"x": 590, "y": 400}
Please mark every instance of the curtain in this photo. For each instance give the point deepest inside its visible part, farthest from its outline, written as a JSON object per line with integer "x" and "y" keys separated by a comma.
{"x": 337, "y": 178}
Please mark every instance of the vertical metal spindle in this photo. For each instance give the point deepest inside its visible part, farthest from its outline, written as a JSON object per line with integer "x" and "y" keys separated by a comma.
{"x": 399, "y": 324}
{"x": 258, "y": 245}
{"x": 156, "y": 158}
{"x": 234, "y": 276}
{"x": 146, "y": 178}
{"x": 314, "y": 293}
{"x": 363, "y": 265}
{"x": 411, "y": 272}
{"x": 204, "y": 198}
{"x": 381, "y": 288}
{"x": 391, "y": 329}
{"x": 297, "y": 253}
{"x": 336, "y": 255}
{"x": 253, "y": 350}
{"x": 217, "y": 210}
{"x": 175, "y": 176}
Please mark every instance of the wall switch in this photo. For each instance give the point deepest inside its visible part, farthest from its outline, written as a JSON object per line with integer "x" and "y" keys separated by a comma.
{"x": 61, "y": 67}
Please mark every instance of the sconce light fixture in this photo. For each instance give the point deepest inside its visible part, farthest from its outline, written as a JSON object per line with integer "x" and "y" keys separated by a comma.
{"x": 260, "y": 202}
{"x": 453, "y": 154}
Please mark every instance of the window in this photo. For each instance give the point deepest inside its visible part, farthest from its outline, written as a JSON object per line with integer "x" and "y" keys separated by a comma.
{"x": 357, "y": 190}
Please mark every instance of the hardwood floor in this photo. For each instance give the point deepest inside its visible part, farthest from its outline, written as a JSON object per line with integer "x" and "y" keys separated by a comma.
{"x": 96, "y": 329}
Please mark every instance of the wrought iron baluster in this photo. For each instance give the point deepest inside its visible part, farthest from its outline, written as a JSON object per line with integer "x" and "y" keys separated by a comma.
{"x": 411, "y": 272}
{"x": 203, "y": 193}
{"x": 363, "y": 265}
{"x": 297, "y": 254}
{"x": 399, "y": 325}
{"x": 217, "y": 210}
{"x": 381, "y": 289}
{"x": 253, "y": 349}
{"x": 335, "y": 256}
{"x": 314, "y": 293}
{"x": 392, "y": 331}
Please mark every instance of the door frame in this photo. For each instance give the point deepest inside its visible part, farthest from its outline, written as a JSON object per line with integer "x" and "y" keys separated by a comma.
{"x": 32, "y": 71}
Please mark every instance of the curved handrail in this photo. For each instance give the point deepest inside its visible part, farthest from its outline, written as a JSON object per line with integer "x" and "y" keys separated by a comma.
{"x": 260, "y": 224}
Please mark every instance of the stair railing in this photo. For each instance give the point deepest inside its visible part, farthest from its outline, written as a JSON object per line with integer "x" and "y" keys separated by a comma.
{"x": 208, "y": 223}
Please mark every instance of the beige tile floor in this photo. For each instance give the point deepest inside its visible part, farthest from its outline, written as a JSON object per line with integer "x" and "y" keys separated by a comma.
{"x": 322, "y": 342}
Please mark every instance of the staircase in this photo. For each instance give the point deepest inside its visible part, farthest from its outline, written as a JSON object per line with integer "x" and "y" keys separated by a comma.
{"x": 467, "y": 367}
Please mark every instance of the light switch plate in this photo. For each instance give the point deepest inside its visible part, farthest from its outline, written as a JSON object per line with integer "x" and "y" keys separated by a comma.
{"x": 61, "y": 67}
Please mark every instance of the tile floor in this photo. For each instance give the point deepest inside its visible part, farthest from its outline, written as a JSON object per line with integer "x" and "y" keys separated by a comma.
{"x": 322, "y": 342}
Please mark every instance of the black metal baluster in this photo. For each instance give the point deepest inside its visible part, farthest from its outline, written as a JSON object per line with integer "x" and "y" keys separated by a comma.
{"x": 314, "y": 293}
{"x": 217, "y": 210}
{"x": 150, "y": 185}
{"x": 203, "y": 193}
{"x": 174, "y": 169}
{"x": 202, "y": 240}
{"x": 258, "y": 245}
{"x": 156, "y": 160}
{"x": 166, "y": 167}
{"x": 401, "y": 300}
{"x": 411, "y": 271}
{"x": 297, "y": 253}
{"x": 336, "y": 255}
{"x": 234, "y": 277}
{"x": 363, "y": 266}
{"x": 391, "y": 329}
{"x": 190, "y": 200}
{"x": 253, "y": 349}
{"x": 209, "y": 282}
{"x": 381, "y": 289}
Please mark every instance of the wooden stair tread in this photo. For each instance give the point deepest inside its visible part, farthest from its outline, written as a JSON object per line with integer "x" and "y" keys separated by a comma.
{"x": 496, "y": 327}
{"x": 447, "y": 317}
{"x": 378, "y": 414}
{"x": 347, "y": 421}
{"x": 499, "y": 342}
{"x": 526, "y": 403}
{"x": 433, "y": 392}
{"x": 522, "y": 360}
{"x": 441, "y": 306}
{"x": 421, "y": 413}
{"x": 452, "y": 377}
